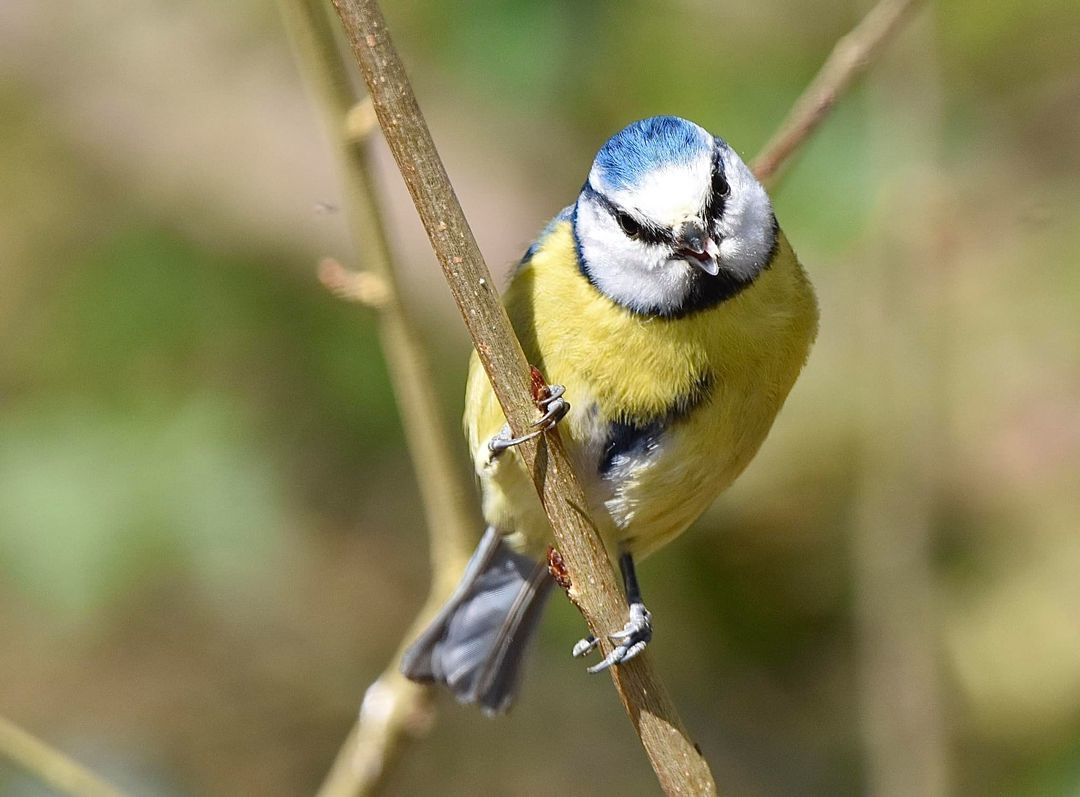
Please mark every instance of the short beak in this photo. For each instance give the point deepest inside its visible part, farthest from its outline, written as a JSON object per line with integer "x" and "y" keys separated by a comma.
{"x": 695, "y": 246}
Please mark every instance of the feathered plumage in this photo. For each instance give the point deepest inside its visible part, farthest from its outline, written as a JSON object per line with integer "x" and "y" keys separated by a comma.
{"x": 672, "y": 308}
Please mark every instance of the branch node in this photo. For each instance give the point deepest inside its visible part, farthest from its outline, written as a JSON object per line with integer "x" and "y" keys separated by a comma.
{"x": 557, "y": 568}
{"x": 361, "y": 122}
{"x": 361, "y": 287}
{"x": 850, "y": 56}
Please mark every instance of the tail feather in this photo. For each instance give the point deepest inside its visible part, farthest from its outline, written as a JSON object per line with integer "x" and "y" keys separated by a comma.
{"x": 476, "y": 644}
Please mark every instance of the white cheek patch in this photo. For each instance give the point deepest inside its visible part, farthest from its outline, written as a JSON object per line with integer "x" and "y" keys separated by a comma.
{"x": 746, "y": 226}
{"x": 645, "y": 277}
{"x": 631, "y": 273}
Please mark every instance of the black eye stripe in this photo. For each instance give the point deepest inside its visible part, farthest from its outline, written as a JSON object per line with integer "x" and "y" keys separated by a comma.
{"x": 720, "y": 187}
{"x": 652, "y": 235}
{"x": 648, "y": 233}
{"x": 719, "y": 192}
{"x": 629, "y": 224}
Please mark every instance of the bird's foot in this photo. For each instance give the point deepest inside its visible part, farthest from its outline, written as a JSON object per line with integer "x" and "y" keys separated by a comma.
{"x": 585, "y": 646}
{"x": 554, "y": 407}
{"x": 629, "y": 642}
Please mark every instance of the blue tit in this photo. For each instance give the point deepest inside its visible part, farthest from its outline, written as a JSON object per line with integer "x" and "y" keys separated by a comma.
{"x": 669, "y": 305}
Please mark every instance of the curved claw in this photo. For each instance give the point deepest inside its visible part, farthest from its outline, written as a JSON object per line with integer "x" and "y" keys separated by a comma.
{"x": 611, "y": 659}
{"x": 585, "y": 646}
{"x": 555, "y": 408}
{"x": 619, "y": 655}
{"x": 497, "y": 445}
{"x": 554, "y": 392}
{"x": 632, "y": 639}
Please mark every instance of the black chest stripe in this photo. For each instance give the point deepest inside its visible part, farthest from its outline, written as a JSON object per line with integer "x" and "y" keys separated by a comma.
{"x": 629, "y": 440}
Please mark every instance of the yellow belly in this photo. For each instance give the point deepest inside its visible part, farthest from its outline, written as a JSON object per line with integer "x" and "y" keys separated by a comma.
{"x": 619, "y": 367}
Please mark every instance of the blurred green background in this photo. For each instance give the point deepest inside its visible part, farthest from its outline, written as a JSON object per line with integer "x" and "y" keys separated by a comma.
{"x": 210, "y": 541}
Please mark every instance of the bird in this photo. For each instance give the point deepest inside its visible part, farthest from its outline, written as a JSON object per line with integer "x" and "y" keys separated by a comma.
{"x": 672, "y": 317}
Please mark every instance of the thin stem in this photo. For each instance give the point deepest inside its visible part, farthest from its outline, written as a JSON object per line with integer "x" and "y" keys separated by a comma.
{"x": 471, "y": 283}
{"x": 850, "y": 57}
{"x": 679, "y": 767}
{"x": 50, "y": 765}
{"x": 394, "y": 709}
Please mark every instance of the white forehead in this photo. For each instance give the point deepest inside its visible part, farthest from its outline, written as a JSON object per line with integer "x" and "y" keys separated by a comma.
{"x": 667, "y": 194}
{"x": 671, "y": 194}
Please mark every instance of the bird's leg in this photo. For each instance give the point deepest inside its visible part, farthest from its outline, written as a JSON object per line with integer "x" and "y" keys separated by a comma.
{"x": 637, "y": 632}
{"x": 554, "y": 407}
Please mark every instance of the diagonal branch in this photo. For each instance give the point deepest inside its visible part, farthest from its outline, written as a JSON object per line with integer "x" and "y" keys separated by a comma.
{"x": 394, "y": 708}
{"x": 372, "y": 744}
{"x": 50, "y": 765}
{"x": 678, "y": 765}
{"x": 849, "y": 58}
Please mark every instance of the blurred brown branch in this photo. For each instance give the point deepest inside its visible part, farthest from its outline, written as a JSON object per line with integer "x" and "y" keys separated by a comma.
{"x": 678, "y": 765}
{"x": 394, "y": 708}
{"x": 361, "y": 287}
{"x": 849, "y": 58}
{"x": 50, "y": 765}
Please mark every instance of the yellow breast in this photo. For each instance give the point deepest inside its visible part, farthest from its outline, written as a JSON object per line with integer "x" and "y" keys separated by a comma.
{"x": 734, "y": 363}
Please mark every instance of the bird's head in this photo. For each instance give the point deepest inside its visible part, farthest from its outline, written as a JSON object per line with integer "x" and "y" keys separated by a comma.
{"x": 671, "y": 219}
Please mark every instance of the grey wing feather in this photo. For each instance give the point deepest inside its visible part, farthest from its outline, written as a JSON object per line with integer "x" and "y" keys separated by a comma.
{"x": 476, "y": 644}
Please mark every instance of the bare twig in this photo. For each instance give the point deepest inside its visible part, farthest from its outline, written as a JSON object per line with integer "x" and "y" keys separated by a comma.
{"x": 471, "y": 285}
{"x": 360, "y": 121}
{"x": 394, "y": 708}
{"x": 361, "y": 287}
{"x": 50, "y": 765}
{"x": 849, "y": 58}
{"x": 678, "y": 765}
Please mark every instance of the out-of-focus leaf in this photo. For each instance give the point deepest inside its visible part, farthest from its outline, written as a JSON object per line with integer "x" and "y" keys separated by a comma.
{"x": 92, "y": 503}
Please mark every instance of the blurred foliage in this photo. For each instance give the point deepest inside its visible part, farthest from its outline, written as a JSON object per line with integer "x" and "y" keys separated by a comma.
{"x": 209, "y": 538}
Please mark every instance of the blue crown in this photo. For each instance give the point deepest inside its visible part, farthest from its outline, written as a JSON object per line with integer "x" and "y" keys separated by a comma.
{"x": 646, "y": 145}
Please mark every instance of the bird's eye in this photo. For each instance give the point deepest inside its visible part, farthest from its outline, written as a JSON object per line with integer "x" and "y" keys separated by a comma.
{"x": 720, "y": 187}
{"x": 629, "y": 224}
